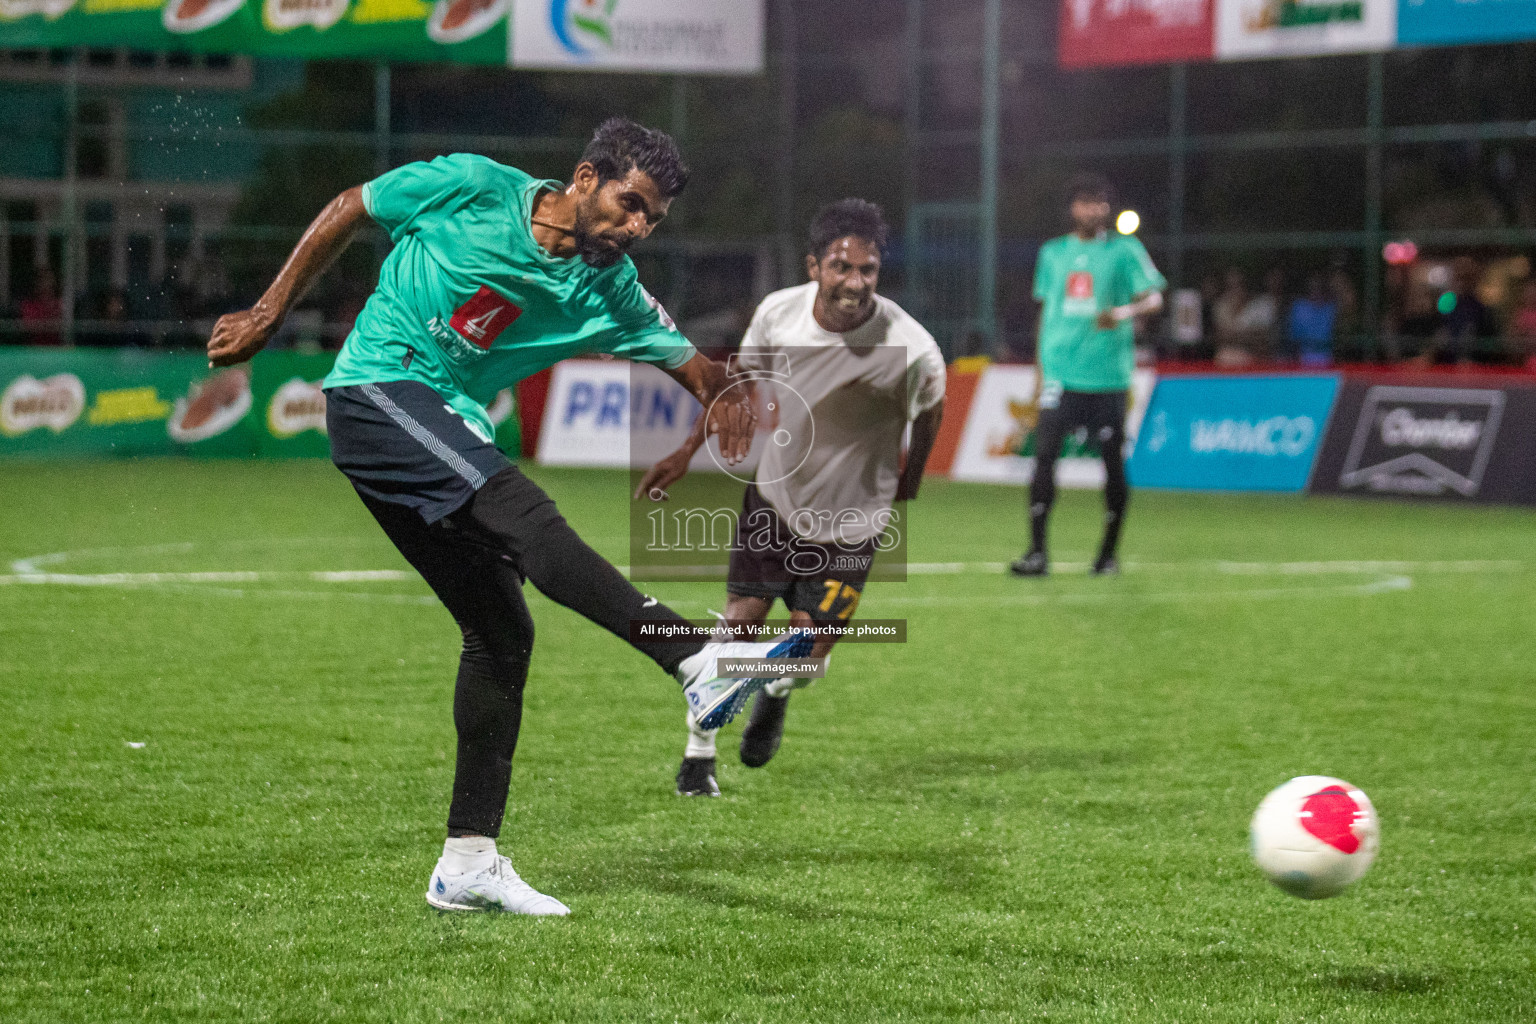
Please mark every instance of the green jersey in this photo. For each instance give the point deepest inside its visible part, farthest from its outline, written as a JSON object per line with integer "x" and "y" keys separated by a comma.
{"x": 1076, "y": 281}
{"x": 469, "y": 303}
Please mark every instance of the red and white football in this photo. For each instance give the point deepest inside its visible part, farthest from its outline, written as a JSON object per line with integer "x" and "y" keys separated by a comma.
{"x": 1315, "y": 836}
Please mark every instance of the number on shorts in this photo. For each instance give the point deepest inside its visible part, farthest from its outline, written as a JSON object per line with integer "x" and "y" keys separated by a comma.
{"x": 836, "y": 591}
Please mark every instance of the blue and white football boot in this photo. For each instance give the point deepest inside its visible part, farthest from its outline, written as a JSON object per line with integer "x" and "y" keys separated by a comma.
{"x": 713, "y": 699}
{"x": 493, "y": 887}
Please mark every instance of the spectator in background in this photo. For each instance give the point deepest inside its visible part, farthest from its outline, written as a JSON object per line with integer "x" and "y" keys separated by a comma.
{"x": 1226, "y": 318}
{"x": 1410, "y": 337}
{"x": 1467, "y": 330}
{"x": 1264, "y": 315}
{"x": 1347, "y": 322}
{"x": 1310, "y": 324}
{"x": 1210, "y": 292}
{"x": 42, "y": 310}
{"x": 107, "y": 323}
{"x": 1522, "y": 326}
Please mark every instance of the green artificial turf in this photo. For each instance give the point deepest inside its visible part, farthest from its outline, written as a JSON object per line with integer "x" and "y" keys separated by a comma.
{"x": 1036, "y": 809}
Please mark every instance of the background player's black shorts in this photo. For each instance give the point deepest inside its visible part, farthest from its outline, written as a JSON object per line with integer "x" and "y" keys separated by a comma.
{"x": 400, "y": 442}
{"x": 768, "y": 560}
{"x": 1100, "y": 413}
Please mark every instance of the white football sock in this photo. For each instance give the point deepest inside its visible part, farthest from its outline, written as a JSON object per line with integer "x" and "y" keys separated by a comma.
{"x": 468, "y": 853}
{"x": 783, "y": 687}
{"x": 701, "y": 742}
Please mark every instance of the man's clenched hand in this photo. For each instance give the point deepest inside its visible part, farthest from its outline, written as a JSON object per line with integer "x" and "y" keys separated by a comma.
{"x": 239, "y": 336}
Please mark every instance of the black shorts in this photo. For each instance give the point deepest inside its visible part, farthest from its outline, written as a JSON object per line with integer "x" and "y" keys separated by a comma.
{"x": 400, "y": 442}
{"x": 1099, "y": 414}
{"x": 768, "y": 560}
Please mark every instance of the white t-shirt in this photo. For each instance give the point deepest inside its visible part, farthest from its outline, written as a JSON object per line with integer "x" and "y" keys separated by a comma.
{"x": 840, "y": 405}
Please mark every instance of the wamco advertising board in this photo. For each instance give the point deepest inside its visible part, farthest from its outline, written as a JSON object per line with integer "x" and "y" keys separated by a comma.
{"x": 1233, "y": 433}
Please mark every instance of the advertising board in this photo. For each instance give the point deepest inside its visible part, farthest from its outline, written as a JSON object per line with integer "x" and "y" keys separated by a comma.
{"x": 1281, "y": 28}
{"x": 695, "y": 36}
{"x": 1447, "y": 22}
{"x": 1442, "y": 438}
{"x": 1233, "y": 433}
{"x": 620, "y": 415}
{"x": 997, "y": 444}
{"x": 1102, "y": 32}
{"x": 62, "y": 403}
{"x": 466, "y": 31}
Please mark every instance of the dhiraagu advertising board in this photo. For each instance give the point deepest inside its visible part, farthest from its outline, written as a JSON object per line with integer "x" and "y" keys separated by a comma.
{"x": 1233, "y": 433}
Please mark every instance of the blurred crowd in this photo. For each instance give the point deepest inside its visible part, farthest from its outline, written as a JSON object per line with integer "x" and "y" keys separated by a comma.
{"x": 178, "y": 313}
{"x": 1436, "y": 312}
{"x": 1458, "y": 310}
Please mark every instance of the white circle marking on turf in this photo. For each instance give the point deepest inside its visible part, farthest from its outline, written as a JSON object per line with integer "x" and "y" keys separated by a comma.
{"x": 1391, "y": 576}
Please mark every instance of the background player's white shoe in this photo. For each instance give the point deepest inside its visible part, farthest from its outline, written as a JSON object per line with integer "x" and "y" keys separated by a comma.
{"x": 713, "y": 699}
{"x": 496, "y": 887}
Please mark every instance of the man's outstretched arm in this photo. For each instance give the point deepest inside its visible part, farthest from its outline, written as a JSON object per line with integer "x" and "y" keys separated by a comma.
{"x": 728, "y": 411}
{"x": 239, "y": 336}
{"x": 925, "y": 431}
{"x": 674, "y": 467}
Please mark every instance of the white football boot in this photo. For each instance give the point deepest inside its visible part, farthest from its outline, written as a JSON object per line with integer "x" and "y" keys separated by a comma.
{"x": 713, "y": 699}
{"x": 496, "y": 887}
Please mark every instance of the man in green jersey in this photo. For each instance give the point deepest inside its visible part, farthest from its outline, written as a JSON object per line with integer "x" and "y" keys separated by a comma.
{"x": 1091, "y": 284}
{"x": 495, "y": 275}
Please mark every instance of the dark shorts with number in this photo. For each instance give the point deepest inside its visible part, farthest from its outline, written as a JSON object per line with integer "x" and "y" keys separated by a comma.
{"x": 768, "y": 560}
{"x": 1099, "y": 414}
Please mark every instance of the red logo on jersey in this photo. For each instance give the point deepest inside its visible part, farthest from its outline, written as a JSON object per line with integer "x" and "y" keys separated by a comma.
{"x": 483, "y": 317}
{"x": 1079, "y": 285}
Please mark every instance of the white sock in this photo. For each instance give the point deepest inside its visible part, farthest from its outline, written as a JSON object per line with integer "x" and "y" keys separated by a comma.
{"x": 783, "y": 687}
{"x": 468, "y": 853}
{"x": 691, "y": 666}
{"x": 701, "y": 742}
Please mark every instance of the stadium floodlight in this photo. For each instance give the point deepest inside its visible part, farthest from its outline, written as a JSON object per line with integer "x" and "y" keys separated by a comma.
{"x": 1128, "y": 222}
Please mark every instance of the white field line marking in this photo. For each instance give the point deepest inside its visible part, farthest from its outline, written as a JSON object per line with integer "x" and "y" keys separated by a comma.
{"x": 1240, "y": 568}
{"x": 30, "y": 565}
{"x": 132, "y": 579}
{"x": 1343, "y": 567}
{"x": 1384, "y": 585}
{"x": 1393, "y": 576}
{"x": 411, "y": 599}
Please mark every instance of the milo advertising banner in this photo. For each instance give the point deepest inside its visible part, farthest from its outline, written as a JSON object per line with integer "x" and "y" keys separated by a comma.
{"x": 93, "y": 403}
{"x": 472, "y": 31}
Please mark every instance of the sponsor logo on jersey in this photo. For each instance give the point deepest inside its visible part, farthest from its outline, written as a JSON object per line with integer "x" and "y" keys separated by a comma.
{"x": 482, "y": 319}
{"x": 1079, "y": 285}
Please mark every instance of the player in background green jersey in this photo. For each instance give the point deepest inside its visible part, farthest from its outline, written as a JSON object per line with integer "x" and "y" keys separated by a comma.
{"x": 495, "y": 275}
{"x": 1091, "y": 285}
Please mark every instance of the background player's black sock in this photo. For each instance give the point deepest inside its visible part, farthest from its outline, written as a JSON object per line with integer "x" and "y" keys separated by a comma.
{"x": 523, "y": 521}
{"x": 1042, "y": 495}
{"x": 487, "y": 712}
{"x": 1039, "y": 516}
{"x": 1117, "y": 495}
